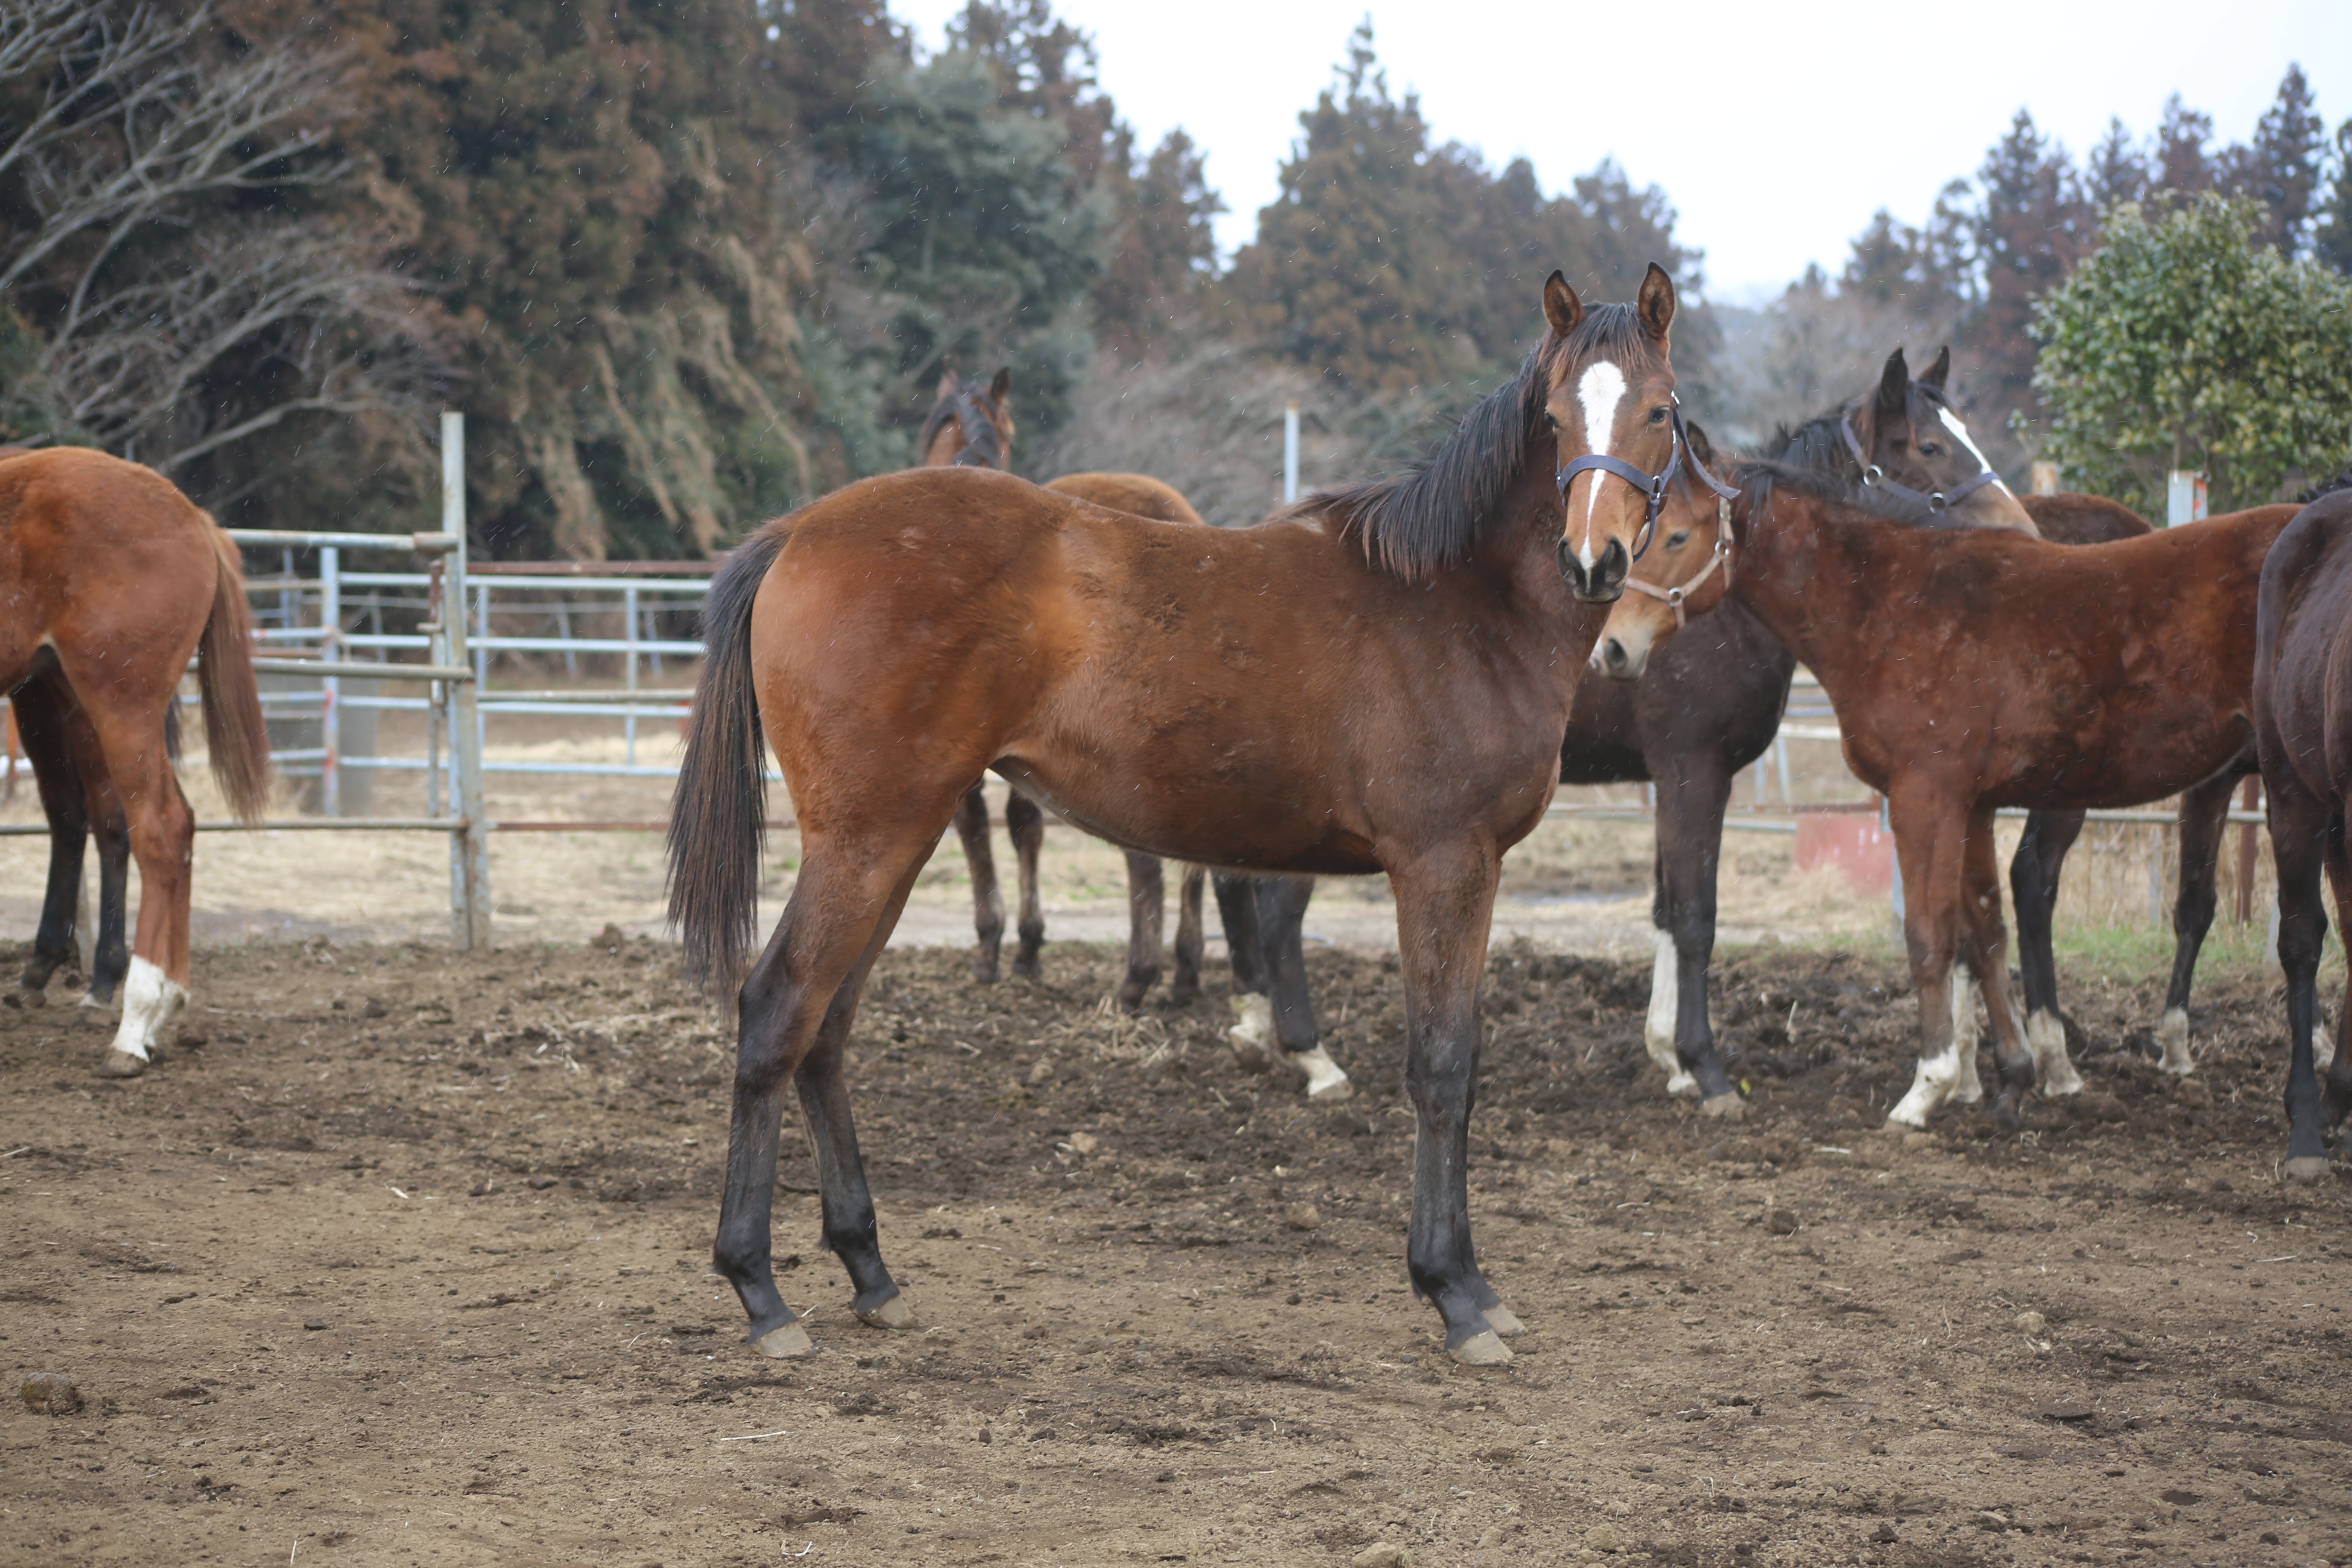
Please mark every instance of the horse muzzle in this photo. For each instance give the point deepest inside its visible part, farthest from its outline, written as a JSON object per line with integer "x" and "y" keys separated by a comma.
{"x": 1605, "y": 583}
{"x": 1618, "y": 659}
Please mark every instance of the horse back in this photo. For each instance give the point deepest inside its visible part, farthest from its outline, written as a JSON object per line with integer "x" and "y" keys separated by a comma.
{"x": 2071, "y": 518}
{"x": 1137, "y": 495}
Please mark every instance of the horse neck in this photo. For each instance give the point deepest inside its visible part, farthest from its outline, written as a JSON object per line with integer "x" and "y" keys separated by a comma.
{"x": 1812, "y": 586}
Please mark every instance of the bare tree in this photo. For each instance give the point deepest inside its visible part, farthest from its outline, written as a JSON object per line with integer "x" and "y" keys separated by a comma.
{"x": 171, "y": 325}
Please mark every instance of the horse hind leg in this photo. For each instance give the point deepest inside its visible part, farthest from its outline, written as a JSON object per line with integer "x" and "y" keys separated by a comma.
{"x": 1282, "y": 914}
{"x": 2033, "y": 877}
{"x": 162, "y": 835}
{"x": 1025, "y": 820}
{"x": 1190, "y": 944}
{"x": 2303, "y": 836}
{"x": 2204, "y": 822}
{"x": 1252, "y": 1034}
{"x": 2339, "y": 1067}
{"x": 1147, "y": 898}
{"x": 111, "y": 956}
{"x": 1658, "y": 1024}
{"x": 41, "y": 725}
{"x": 793, "y": 1019}
{"x": 987, "y": 903}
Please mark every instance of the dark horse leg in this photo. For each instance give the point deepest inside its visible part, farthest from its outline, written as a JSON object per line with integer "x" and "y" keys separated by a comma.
{"x": 2033, "y": 881}
{"x": 2339, "y": 1067}
{"x": 2305, "y": 830}
{"x": 1282, "y": 942}
{"x": 2204, "y": 822}
{"x": 1445, "y": 903}
{"x": 796, "y": 1009}
{"x": 1025, "y": 820}
{"x": 1693, "y": 791}
{"x": 987, "y": 903}
{"x": 41, "y": 724}
{"x": 1252, "y": 1011}
{"x": 1147, "y": 898}
{"x": 1189, "y": 941}
{"x": 111, "y": 954}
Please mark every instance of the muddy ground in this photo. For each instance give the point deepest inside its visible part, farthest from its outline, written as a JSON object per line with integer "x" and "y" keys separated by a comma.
{"x": 400, "y": 1257}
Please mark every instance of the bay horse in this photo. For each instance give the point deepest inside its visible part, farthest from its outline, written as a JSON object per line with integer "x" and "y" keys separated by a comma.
{"x": 1375, "y": 681}
{"x": 1967, "y": 675}
{"x": 115, "y": 580}
{"x": 2303, "y": 729}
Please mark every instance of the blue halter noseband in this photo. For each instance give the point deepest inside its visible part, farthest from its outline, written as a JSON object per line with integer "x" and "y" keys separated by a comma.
{"x": 1652, "y": 486}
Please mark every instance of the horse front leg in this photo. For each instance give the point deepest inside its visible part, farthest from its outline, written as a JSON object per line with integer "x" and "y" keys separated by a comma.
{"x": 2304, "y": 832}
{"x": 2034, "y": 875}
{"x": 1692, "y": 798}
{"x": 1025, "y": 819}
{"x": 2204, "y": 822}
{"x": 1251, "y": 1035}
{"x": 40, "y": 723}
{"x": 1147, "y": 900}
{"x": 2339, "y": 1067}
{"x": 1930, "y": 839}
{"x": 1986, "y": 941}
{"x": 987, "y": 903}
{"x": 1445, "y": 903}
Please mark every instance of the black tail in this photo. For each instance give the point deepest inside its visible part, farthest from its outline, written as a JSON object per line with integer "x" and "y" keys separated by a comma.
{"x": 718, "y": 817}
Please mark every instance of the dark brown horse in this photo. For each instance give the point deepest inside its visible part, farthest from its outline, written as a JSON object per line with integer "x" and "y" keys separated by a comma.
{"x": 114, "y": 580}
{"x": 1376, "y": 682}
{"x": 2302, "y": 726}
{"x": 1969, "y": 673}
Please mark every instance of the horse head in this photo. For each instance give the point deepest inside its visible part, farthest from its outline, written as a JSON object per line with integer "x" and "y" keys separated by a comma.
{"x": 1907, "y": 437}
{"x": 1687, "y": 572}
{"x": 969, "y": 426}
{"x": 1611, "y": 411}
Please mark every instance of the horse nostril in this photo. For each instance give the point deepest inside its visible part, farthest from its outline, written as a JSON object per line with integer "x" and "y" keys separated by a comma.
{"x": 1612, "y": 654}
{"x": 1571, "y": 569}
{"x": 1614, "y": 566}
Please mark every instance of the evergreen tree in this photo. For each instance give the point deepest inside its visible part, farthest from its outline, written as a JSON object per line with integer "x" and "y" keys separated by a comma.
{"x": 1165, "y": 251}
{"x": 2032, "y": 226}
{"x": 2279, "y": 168}
{"x": 2332, "y": 242}
{"x": 2182, "y": 167}
{"x": 2116, "y": 170}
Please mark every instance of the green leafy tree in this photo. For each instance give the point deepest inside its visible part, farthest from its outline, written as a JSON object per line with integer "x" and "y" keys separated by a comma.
{"x": 2186, "y": 342}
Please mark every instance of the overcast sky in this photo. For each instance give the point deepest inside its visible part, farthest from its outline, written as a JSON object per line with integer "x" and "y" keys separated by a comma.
{"x": 1775, "y": 130}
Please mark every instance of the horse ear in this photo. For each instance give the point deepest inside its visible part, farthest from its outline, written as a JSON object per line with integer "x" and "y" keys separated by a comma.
{"x": 1562, "y": 309}
{"x": 1701, "y": 447}
{"x": 1655, "y": 302}
{"x": 1001, "y": 385}
{"x": 949, "y": 386}
{"x": 1894, "y": 385}
{"x": 1936, "y": 374}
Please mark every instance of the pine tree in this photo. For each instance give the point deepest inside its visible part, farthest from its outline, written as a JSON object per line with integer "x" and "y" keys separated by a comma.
{"x": 2116, "y": 170}
{"x": 1165, "y": 252}
{"x": 2182, "y": 167}
{"x": 2332, "y": 242}
{"x": 2033, "y": 223}
{"x": 2279, "y": 168}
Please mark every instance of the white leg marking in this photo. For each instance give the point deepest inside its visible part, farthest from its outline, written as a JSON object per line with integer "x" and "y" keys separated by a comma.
{"x": 1253, "y": 1030}
{"x": 1930, "y": 1087}
{"x": 2047, "y": 1035}
{"x": 1969, "y": 1088}
{"x": 1326, "y": 1081}
{"x": 1598, "y": 391}
{"x": 2172, "y": 1034}
{"x": 149, "y": 1003}
{"x": 1658, "y": 1029}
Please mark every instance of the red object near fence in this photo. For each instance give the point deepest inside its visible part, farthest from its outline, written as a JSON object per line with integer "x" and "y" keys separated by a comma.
{"x": 1857, "y": 846}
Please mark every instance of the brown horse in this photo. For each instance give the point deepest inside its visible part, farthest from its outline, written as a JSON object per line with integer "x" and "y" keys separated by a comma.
{"x": 2302, "y": 726}
{"x": 1978, "y": 669}
{"x": 115, "y": 580}
{"x": 1376, "y": 681}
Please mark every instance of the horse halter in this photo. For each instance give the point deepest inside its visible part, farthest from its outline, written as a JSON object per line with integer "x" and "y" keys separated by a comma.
{"x": 1721, "y": 557}
{"x": 1652, "y": 486}
{"x": 1934, "y": 501}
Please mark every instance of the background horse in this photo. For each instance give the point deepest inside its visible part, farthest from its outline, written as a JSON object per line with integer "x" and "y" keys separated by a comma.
{"x": 1966, "y": 675}
{"x": 1375, "y": 682}
{"x": 115, "y": 580}
{"x": 2303, "y": 727}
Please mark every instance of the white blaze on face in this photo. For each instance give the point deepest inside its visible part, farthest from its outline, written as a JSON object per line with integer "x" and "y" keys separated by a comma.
{"x": 1598, "y": 392}
{"x": 1960, "y": 433}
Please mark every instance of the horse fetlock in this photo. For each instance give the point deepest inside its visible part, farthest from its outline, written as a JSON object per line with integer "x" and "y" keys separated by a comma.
{"x": 1327, "y": 1081}
{"x": 1932, "y": 1083}
{"x": 1252, "y": 1034}
{"x": 151, "y": 1002}
{"x": 2172, "y": 1036}
{"x": 2045, "y": 1034}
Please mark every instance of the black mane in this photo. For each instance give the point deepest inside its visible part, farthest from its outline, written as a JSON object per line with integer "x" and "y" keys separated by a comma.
{"x": 976, "y": 412}
{"x": 2342, "y": 481}
{"x": 1427, "y": 516}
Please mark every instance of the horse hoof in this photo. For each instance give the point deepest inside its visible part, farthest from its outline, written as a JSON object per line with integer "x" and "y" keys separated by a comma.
{"x": 1728, "y": 1105}
{"x": 1253, "y": 1027}
{"x": 1504, "y": 1321}
{"x": 119, "y": 1063}
{"x": 1481, "y": 1350}
{"x": 2306, "y": 1168}
{"x": 983, "y": 973}
{"x": 1680, "y": 1085}
{"x": 1898, "y": 1123}
{"x": 2172, "y": 1036}
{"x": 790, "y": 1342}
{"x": 1327, "y": 1081}
{"x": 893, "y": 1313}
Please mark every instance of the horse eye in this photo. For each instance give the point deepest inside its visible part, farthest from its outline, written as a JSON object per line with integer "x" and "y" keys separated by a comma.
{"x": 1678, "y": 541}
{"x": 1929, "y": 449}
{"x": 1551, "y": 422}
{"x": 1658, "y": 415}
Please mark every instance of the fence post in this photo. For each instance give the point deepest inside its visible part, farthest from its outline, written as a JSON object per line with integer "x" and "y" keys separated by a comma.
{"x": 1289, "y": 453}
{"x": 2252, "y": 800}
{"x": 330, "y": 688}
{"x": 469, "y": 846}
{"x": 2184, "y": 497}
{"x": 2045, "y": 477}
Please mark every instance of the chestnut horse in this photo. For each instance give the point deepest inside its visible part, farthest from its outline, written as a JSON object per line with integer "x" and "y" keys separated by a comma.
{"x": 2303, "y": 727}
{"x": 115, "y": 580}
{"x": 1969, "y": 675}
{"x": 1376, "y": 681}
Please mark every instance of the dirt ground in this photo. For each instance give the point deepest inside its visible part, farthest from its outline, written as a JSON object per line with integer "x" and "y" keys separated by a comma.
{"x": 401, "y": 1257}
